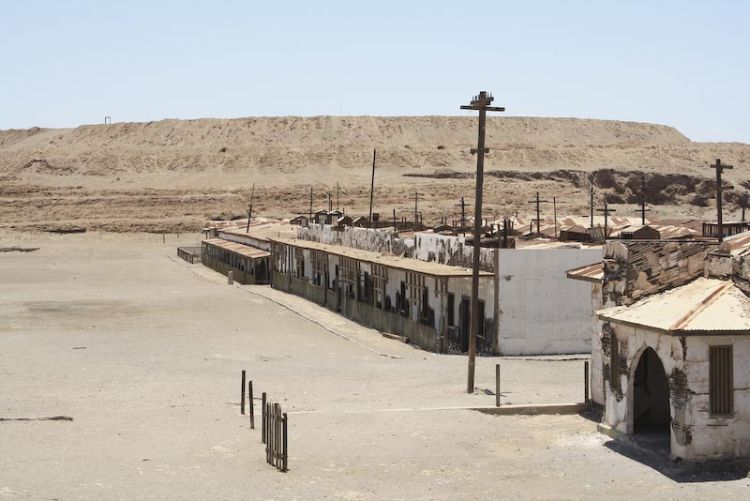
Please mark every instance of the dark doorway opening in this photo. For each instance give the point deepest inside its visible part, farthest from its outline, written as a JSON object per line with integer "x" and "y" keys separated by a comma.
{"x": 651, "y": 413}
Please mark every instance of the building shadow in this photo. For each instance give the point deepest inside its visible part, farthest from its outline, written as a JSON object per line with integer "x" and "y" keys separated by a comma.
{"x": 655, "y": 456}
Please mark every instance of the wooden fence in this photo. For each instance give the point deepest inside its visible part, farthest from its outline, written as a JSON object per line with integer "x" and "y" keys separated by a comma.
{"x": 275, "y": 435}
{"x": 189, "y": 254}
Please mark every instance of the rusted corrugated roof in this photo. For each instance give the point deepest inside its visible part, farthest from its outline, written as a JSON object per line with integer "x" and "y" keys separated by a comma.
{"x": 264, "y": 231}
{"x": 703, "y": 307}
{"x": 739, "y": 244}
{"x": 591, "y": 272}
{"x": 666, "y": 232}
{"x": 242, "y": 250}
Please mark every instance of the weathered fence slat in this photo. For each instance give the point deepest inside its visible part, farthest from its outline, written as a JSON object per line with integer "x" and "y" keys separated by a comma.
{"x": 275, "y": 435}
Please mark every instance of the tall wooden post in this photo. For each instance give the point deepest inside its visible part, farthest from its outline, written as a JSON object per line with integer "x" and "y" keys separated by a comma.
{"x": 644, "y": 210}
{"x": 463, "y": 216}
{"x": 311, "y": 202}
{"x": 242, "y": 398}
{"x": 719, "y": 219}
{"x": 372, "y": 183}
{"x": 606, "y": 212}
{"x": 480, "y": 103}
{"x": 554, "y": 214}
{"x": 591, "y": 207}
{"x": 250, "y": 209}
{"x": 416, "y": 208}
{"x": 537, "y": 201}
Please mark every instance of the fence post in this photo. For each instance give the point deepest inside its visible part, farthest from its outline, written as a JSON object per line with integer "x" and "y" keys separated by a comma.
{"x": 242, "y": 399}
{"x": 230, "y": 277}
{"x": 284, "y": 451}
{"x": 276, "y": 433}
{"x": 251, "y": 403}
{"x": 497, "y": 385}
{"x": 586, "y": 381}
{"x": 263, "y": 418}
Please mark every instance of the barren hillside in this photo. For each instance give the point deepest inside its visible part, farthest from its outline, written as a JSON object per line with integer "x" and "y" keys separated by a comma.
{"x": 173, "y": 174}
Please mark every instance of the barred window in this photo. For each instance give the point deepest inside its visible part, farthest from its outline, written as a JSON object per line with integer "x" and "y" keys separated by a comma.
{"x": 721, "y": 380}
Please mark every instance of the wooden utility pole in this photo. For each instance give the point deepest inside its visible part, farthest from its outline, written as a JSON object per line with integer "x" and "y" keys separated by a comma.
{"x": 250, "y": 209}
{"x": 538, "y": 216}
{"x": 416, "y": 202}
{"x": 372, "y": 184}
{"x": 606, "y": 212}
{"x": 554, "y": 214}
{"x": 311, "y": 202}
{"x": 644, "y": 210}
{"x": 480, "y": 103}
{"x": 338, "y": 206}
{"x": 395, "y": 228}
{"x": 591, "y": 207}
{"x": 719, "y": 169}
{"x": 463, "y": 215}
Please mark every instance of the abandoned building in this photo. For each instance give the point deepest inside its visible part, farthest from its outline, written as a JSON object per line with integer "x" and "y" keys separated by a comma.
{"x": 670, "y": 364}
{"x": 530, "y": 308}
{"x": 248, "y": 265}
{"x": 426, "y": 303}
{"x": 671, "y": 321}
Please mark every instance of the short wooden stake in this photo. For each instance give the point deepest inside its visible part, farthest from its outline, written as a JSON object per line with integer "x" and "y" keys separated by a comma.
{"x": 497, "y": 385}
{"x": 586, "y": 381}
{"x": 242, "y": 399}
{"x": 250, "y": 403}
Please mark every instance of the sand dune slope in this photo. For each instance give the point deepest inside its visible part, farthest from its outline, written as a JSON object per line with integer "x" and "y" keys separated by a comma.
{"x": 177, "y": 172}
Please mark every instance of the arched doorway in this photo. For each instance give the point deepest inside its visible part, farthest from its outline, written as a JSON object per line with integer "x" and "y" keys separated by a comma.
{"x": 651, "y": 410}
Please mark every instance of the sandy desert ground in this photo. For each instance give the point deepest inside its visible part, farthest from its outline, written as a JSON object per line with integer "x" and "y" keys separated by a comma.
{"x": 143, "y": 352}
{"x": 172, "y": 175}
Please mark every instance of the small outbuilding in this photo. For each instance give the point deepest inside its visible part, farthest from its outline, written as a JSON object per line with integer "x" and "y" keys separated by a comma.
{"x": 675, "y": 370}
{"x": 248, "y": 265}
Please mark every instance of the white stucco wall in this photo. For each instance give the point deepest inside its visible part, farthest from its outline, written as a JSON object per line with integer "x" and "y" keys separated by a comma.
{"x": 695, "y": 434}
{"x": 716, "y": 436}
{"x": 541, "y": 311}
{"x": 258, "y": 243}
{"x": 596, "y": 386}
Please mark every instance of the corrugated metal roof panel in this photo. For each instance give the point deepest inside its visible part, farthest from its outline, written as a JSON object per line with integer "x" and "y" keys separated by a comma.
{"x": 241, "y": 249}
{"x": 704, "y": 306}
{"x": 591, "y": 272}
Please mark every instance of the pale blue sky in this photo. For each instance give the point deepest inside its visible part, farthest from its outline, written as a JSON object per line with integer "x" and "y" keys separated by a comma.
{"x": 681, "y": 63}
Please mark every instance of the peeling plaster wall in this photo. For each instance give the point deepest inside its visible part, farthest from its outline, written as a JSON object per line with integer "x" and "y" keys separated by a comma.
{"x": 597, "y": 378}
{"x": 541, "y": 311}
{"x": 695, "y": 435}
{"x": 714, "y": 437}
{"x": 450, "y": 250}
{"x": 741, "y": 273}
{"x": 719, "y": 265}
{"x": 631, "y": 342}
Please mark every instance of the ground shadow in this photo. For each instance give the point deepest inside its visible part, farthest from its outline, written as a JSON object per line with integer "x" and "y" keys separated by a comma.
{"x": 678, "y": 470}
